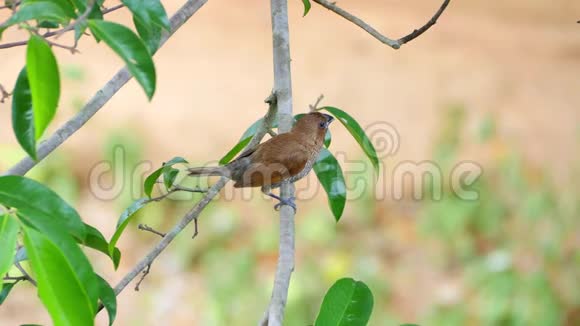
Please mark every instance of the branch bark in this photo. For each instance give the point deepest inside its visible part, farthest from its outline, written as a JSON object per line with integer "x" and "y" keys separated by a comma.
{"x": 99, "y": 99}
{"x": 395, "y": 44}
{"x": 274, "y": 315}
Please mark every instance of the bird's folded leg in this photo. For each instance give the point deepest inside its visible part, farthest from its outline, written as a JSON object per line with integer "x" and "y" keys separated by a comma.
{"x": 288, "y": 202}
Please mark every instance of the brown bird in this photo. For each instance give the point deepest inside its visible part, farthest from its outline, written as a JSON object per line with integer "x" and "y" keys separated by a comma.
{"x": 284, "y": 158}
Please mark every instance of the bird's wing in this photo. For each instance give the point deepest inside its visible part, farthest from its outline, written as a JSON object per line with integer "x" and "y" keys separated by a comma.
{"x": 275, "y": 160}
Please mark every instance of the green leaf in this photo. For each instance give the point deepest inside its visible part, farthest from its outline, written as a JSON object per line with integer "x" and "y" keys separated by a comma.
{"x": 8, "y": 233}
{"x": 108, "y": 298}
{"x": 64, "y": 282}
{"x": 327, "y": 138}
{"x": 151, "y": 36}
{"x": 347, "y": 302}
{"x": 44, "y": 81}
{"x": 307, "y": 6}
{"x": 169, "y": 175}
{"x": 235, "y": 150}
{"x": 149, "y": 13}
{"x": 358, "y": 133}
{"x": 124, "y": 221}
{"x": 167, "y": 166}
{"x": 38, "y": 10}
{"x": 6, "y": 288}
{"x": 131, "y": 49}
{"x": 96, "y": 240}
{"x": 151, "y": 180}
{"x": 34, "y": 199}
{"x": 22, "y": 114}
{"x": 330, "y": 175}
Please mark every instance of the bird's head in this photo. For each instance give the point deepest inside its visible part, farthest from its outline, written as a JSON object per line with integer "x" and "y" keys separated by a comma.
{"x": 314, "y": 123}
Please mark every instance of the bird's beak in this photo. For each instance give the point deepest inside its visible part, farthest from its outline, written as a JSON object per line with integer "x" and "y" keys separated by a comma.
{"x": 329, "y": 119}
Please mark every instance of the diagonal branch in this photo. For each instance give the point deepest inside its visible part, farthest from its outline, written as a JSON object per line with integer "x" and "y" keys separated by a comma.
{"x": 99, "y": 99}
{"x": 193, "y": 214}
{"x": 395, "y": 44}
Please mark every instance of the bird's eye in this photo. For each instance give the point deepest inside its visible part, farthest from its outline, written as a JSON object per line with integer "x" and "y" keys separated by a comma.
{"x": 322, "y": 124}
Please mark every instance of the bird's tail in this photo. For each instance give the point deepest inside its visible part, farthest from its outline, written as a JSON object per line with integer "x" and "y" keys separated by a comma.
{"x": 210, "y": 171}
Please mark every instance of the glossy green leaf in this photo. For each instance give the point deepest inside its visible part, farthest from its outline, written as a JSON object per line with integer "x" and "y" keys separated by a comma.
{"x": 358, "y": 133}
{"x": 131, "y": 49}
{"x": 151, "y": 180}
{"x": 153, "y": 177}
{"x": 6, "y": 288}
{"x": 347, "y": 303}
{"x": 96, "y": 240}
{"x": 235, "y": 150}
{"x": 34, "y": 199}
{"x": 124, "y": 221}
{"x": 149, "y": 13}
{"x": 38, "y": 10}
{"x": 44, "y": 81}
{"x": 64, "y": 282}
{"x": 307, "y": 7}
{"x": 169, "y": 175}
{"x": 8, "y": 233}
{"x": 95, "y": 13}
{"x": 327, "y": 138}
{"x": 330, "y": 175}
{"x": 151, "y": 36}
{"x": 108, "y": 298}
{"x": 22, "y": 115}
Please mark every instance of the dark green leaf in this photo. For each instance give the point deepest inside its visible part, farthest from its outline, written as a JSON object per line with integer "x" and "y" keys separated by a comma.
{"x": 327, "y": 138}
{"x": 235, "y": 150}
{"x": 169, "y": 175}
{"x": 66, "y": 283}
{"x": 153, "y": 177}
{"x": 149, "y": 13}
{"x": 6, "y": 288}
{"x": 38, "y": 10}
{"x": 151, "y": 36}
{"x": 22, "y": 115}
{"x": 151, "y": 180}
{"x": 330, "y": 175}
{"x": 96, "y": 240}
{"x": 124, "y": 221}
{"x": 8, "y": 233}
{"x": 44, "y": 81}
{"x": 358, "y": 133}
{"x": 347, "y": 302}
{"x": 108, "y": 298}
{"x": 307, "y": 6}
{"x": 131, "y": 49}
{"x": 47, "y": 24}
{"x": 45, "y": 206}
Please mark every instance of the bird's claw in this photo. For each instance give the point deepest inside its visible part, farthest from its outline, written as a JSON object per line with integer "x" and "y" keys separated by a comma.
{"x": 288, "y": 202}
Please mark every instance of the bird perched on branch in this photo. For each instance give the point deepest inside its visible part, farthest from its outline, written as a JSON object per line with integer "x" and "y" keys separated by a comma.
{"x": 284, "y": 158}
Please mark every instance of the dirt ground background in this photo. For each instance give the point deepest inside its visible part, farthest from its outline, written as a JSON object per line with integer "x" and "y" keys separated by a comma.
{"x": 515, "y": 61}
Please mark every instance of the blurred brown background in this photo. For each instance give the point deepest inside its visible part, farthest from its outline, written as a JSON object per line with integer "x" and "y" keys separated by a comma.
{"x": 497, "y": 83}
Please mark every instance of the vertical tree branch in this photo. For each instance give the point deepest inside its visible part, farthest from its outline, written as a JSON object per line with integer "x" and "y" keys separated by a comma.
{"x": 283, "y": 89}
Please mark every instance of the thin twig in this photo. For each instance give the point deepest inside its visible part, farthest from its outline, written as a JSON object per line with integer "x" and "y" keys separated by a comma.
{"x": 99, "y": 99}
{"x": 272, "y": 133}
{"x": 314, "y": 107}
{"x": 57, "y": 32}
{"x": 16, "y": 278}
{"x": 11, "y": 6}
{"x": 25, "y": 273}
{"x": 146, "y": 227}
{"x": 79, "y": 20}
{"x": 4, "y": 94}
{"x": 186, "y": 189}
{"x": 145, "y": 273}
{"x": 72, "y": 49}
{"x": 395, "y": 44}
{"x": 108, "y": 10}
